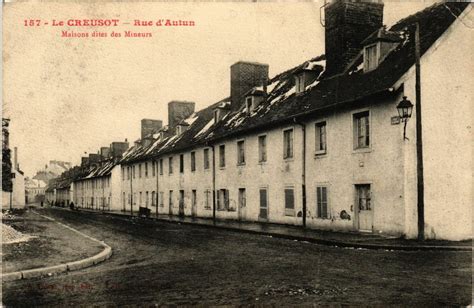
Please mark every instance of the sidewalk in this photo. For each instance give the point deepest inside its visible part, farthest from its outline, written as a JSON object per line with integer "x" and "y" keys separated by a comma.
{"x": 50, "y": 247}
{"x": 331, "y": 238}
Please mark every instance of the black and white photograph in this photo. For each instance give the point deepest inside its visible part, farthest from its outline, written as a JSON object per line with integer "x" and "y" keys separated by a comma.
{"x": 237, "y": 153}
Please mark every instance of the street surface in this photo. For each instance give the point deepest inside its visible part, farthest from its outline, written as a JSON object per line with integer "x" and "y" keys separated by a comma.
{"x": 165, "y": 263}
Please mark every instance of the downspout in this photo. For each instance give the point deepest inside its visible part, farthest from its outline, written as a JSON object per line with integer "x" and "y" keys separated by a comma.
{"x": 131, "y": 191}
{"x": 303, "y": 171}
{"x": 157, "y": 196}
{"x": 213, "y": 185}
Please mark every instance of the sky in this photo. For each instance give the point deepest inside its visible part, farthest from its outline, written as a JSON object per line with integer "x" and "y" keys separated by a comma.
{"x": 70, "y": 96}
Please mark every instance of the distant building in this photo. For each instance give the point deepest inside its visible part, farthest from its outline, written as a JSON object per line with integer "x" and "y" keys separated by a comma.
{"x": 13, "y": 182}
{"x": 35, "y": 190}
{"x": 52, "y": 170}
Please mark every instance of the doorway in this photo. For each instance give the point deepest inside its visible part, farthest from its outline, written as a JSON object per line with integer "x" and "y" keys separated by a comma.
{"x": 364, "y": 207}
{"x": 181, "y": 203}
{"x": 263, "y": 204}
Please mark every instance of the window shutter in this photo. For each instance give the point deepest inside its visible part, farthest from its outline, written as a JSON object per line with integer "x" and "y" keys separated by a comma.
{"x": 324, "y": 202}
{"x": 289, "y": 199}
{"x": 226, "y": 196}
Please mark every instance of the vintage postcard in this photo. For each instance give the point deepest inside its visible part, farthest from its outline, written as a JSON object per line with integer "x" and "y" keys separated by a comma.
{"x": 239, "y": 153}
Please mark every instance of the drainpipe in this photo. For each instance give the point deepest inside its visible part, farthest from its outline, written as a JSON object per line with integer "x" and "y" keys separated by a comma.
{"x": 157, "y": 196}
{"x": 131, "y": 191}
{"x": 419, "y": 142}
{"x": 303, "y": 172}
{"x": 213, "y": 184}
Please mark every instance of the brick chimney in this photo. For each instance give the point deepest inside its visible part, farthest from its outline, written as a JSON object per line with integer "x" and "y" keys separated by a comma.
{"x": 150, "y": 127}
{"x": 178, "y": 111}
{"x": 105, "y": 152}
{"x": 243, "y": 77}
{"x": 84, "y": 161}
{"x": 348, "y": 23}
{"x": 118, "y": 148}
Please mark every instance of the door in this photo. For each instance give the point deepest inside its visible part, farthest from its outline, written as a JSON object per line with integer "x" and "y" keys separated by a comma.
{"x": 364, "y": 207}
{"x": 193, "y": 203}
{"x": 263, "y": 204}
{"x": 242, "y": 203}
{"x": 181, "y": 203}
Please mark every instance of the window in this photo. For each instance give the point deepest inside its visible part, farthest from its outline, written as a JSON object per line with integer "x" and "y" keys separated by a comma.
{"x": 248, "y": 104}
{"x": 133, "y": 171}
{"x": 361, "y": 130}
{"x": 193, "y": 161}
{"x": 171, "y": 199}
{"x": 170, "y": 165}
{"x": 153, "y": 198}
{"x": 262, "y": 148}
{"x": 162, "y": 197}
{"x": 288, "y": 143}
{"x": 207, "y": 205}
{"x": 222, "y": 155}
{"x": 146, "y": 199}
{"x": 181, "y": 163}
{"x": 320, "y": 137}
{"x": 128, "y": 173}
{"x": 364, "y": 197}
{"x": 153, "y": 170}
{"x": 161, "y": 166}
{"x": 206, "y": 158}
{"x": 241, "y": 152}
{"x": 370, "y": 58}
{"x": 242, "y": 198}
{"x": 139, "y": 170}
{"x": 146, "y": 170}
{"x": 289, "y": 202}
{"x": 193, "y": 198}
{"x": 140, "y": 200}
{"x": 299, "y": 83}
{"x": 322, "y": 202}
{"x": 123, "y": 173}
{"x": 222, "y": 199}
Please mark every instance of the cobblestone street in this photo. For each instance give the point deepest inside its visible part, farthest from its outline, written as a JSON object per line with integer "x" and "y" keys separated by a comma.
{"x": 167, "y": 263}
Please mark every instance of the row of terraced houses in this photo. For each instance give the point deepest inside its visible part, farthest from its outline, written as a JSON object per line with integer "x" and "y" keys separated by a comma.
{"x": 320, "y": 145}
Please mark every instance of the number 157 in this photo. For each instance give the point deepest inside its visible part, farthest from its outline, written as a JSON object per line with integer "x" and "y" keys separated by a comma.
{"x": 32, "y": 22}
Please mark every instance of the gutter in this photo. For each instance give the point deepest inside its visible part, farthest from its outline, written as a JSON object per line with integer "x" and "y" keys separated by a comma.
{"x": 303, "y": 171}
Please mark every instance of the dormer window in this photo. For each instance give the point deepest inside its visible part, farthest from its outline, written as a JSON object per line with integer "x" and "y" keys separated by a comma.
{"x": 248, "y": 104}
{"x": 371, "y": 57}
{"x": 299, "y": 83}
{"x": 181, "y": 128}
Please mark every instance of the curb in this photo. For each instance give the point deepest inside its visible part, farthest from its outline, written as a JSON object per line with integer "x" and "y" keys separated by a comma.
{"x": 61, "y": 268}
{"x": 324, "y": 242}
{"x": 319, "y": 241}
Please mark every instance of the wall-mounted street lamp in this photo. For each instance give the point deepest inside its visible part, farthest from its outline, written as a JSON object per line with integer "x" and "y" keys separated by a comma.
{"x": 404, "y": 108}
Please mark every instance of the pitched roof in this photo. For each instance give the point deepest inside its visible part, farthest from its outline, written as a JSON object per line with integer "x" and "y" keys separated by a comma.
{"x": 282, "y": 103}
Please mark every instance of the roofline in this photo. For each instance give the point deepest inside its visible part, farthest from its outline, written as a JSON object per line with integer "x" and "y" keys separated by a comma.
{"x": 215, "y": 140}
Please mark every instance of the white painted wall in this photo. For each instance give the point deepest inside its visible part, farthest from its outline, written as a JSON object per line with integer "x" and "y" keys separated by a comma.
{"x": 446, "y": 96}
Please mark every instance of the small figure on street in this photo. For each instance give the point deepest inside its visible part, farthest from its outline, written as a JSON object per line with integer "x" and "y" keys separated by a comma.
{"x": 41, "y": 203}
{"x": 71, "y": 206}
